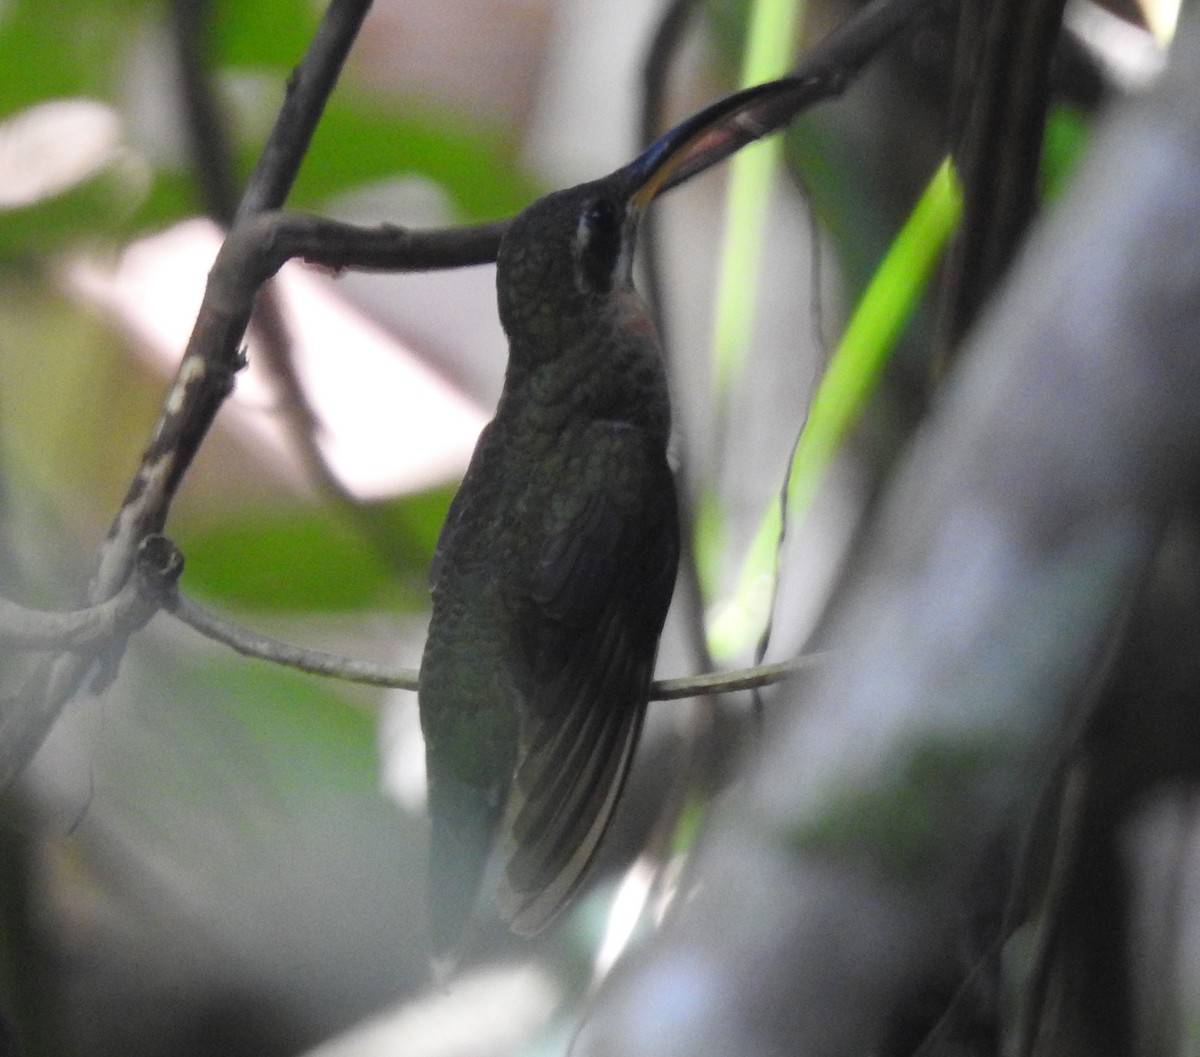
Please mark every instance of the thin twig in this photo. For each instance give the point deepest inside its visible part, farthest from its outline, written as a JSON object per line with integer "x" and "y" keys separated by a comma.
{"x": 754, "y": 678}
{"x": 352, "y": 670}
{"x": 263, "y": 647}
{"x": 161, "y": 584}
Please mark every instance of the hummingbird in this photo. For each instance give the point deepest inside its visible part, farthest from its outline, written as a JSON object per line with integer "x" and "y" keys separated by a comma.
{"x": 556, "y": 564}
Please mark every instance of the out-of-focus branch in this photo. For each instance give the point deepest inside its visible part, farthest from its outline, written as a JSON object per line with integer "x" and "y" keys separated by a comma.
{"x": 1002, "y": 81}
{"x": 127, "y": 610}
{"x": 212, "y": 165}
{"x": 205, "y": 125}
{"x": 1025, "y": 513}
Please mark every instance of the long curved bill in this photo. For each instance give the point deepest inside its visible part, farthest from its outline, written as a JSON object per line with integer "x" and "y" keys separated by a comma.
{"x": 713, "y": 134}
{"x": 729, "y": 124}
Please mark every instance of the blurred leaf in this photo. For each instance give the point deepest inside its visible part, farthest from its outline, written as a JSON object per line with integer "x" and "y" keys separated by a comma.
{"x": 768, "y": 54}
{"x": 412, "y": 524}
{"x": 360, "y": 141}
{"x": 218, "y": 732}
{"x": 48, "y": 54}
{"x": 74, "y": 409}
{"x": 50, "y": 51}
{"x": 843, "y": 193}
{"x": 304, "y": 734}
{"x": 265, "y": 33}
{"x": 1067, "y": 138}
{"x": 292, "y": 560}
{"x": 97, "y": 208}
{"x": 172, "y": 197}
{"x": 728, "y": 22}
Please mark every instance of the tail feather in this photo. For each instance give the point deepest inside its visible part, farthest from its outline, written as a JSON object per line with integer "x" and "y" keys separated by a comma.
{"x": 464, "y": 821}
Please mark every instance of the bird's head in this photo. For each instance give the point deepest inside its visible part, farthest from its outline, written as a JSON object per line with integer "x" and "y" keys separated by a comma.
{"x": 565, "y": 257}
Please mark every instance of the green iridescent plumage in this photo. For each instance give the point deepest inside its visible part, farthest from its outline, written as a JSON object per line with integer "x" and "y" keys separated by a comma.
{"x": 553, "y": 574}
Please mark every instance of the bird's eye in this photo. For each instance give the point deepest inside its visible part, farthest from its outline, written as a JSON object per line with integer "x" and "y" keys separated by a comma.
{"x": 598, "y": 243}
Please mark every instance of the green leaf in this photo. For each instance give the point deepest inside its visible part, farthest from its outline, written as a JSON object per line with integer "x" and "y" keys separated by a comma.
{"x": 360, "y": 141}
{"x": 173, "y": 196}
{"x": 293, "y": 560}
{"x": 1067, "y": 136}
{"x": 768, "y": 51}
{"x": 50, "y": 51}
{"x": 306, "y": 734}
{"x": 262, "y": 34}
{"x": 74, "y": 407}
{"x": 357, "y": 143}
{"x": 217, "y": 738}
{"x": 412, "y": 524}
{"x": 768, "y": 54}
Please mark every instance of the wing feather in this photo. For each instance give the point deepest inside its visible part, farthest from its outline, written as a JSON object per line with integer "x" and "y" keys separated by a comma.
{"x": 600, "y": 593}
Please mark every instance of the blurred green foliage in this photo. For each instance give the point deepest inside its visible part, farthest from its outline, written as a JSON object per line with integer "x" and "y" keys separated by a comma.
{"x": 57, "y": 354}
{"x": 310, "y": 558}
{"x": 93, "y": 48}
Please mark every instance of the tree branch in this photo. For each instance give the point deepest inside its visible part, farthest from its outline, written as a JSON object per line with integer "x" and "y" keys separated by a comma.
{"x": 126, "y": 612}
{"x": 212, "y": 166}
{"x": 211, "y": 158}
{"x": 308, "y": 90}
{"x": 204, "y": 379}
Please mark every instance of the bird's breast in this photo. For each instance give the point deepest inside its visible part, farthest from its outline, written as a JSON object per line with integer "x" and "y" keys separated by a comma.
{"x": 634, "y": 318}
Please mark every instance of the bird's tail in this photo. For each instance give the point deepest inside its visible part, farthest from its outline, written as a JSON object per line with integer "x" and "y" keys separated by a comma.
{"x": 464, "y": 820}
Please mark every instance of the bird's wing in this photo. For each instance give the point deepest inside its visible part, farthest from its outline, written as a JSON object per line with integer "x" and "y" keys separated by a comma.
{"x": 460, "y": 505}
{"x": 600, "y": 594}
{"x": 468, "y": 708}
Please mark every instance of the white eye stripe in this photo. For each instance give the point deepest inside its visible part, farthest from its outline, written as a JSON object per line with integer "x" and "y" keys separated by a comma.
{"x": 579, "y": 245}
{"x": 597, "y": 247}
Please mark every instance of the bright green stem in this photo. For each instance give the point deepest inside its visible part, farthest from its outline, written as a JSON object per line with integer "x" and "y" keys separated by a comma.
{"x": 852, "y": 375}
{"x": 769, "y": 39}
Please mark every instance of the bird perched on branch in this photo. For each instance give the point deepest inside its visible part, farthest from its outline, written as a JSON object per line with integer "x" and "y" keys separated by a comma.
{"x": 557, "y": 561}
